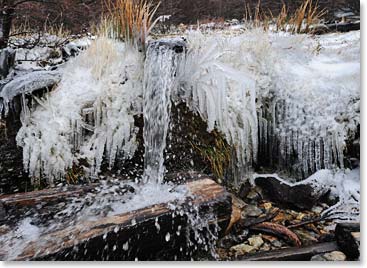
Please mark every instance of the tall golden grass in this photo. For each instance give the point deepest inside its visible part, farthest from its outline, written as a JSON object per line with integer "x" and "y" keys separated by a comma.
{"x": 307, "y": 14}
{"x": 128, "y": 20}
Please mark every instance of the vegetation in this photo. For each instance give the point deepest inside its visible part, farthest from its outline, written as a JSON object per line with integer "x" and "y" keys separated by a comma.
{"x": 307, "y": 14}
{"x": 217, "y": 152}
{"x": 129, "y": 21}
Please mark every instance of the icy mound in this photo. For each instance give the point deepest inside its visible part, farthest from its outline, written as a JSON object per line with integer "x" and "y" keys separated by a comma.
{"x": 84, "y": 117}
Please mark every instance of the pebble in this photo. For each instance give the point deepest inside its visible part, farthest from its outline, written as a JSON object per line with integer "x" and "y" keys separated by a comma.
{"x": 331, "y": 256}
{"x": 251, "y": 211}
{"x": 256, "y": 241}
{"x": 243, "y": 249}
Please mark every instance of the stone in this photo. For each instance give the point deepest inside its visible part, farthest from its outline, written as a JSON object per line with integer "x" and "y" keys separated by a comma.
{"x": 233, "y": 239}
{"x": 2, "y": 211}
{"x": 256, "y": 241}
{"x": 242, "y": 249}
{"x": 331, "y": 256}
{"x": 245, "y": 189}
{"x": 254, "y": 195}
{"x": 277, "y": 244}
{"x": 7, "y": 58}
{"x": 301, "y": 196}
{"x": 251, "y": 211}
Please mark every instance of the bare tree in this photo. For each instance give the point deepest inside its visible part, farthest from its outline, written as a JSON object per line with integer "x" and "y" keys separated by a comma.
{"x": 7, "y": 11}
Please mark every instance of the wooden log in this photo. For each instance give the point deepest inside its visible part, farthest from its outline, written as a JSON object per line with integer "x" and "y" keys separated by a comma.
{"x": 348, "y": 238}
{"x": 292, "y": 254}
{"x": 134, "y": 235}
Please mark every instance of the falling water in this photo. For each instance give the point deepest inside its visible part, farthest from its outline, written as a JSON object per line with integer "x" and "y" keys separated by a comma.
{"x": 159, "y": 81}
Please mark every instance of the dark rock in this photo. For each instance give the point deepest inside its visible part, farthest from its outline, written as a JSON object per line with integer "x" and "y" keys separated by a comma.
{"x": 347, "y": 237}
{"x": 245, "y": 189}
{"x": 299, "y": 196}
{"x": 177, "y": 45}
{"x": 2, "y": 211}
{"x": 7, "y": 58}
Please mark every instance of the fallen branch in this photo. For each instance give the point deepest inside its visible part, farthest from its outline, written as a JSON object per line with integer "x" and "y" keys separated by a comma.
{"x": 318, "y": 219}
{"x": 277, "y": 230}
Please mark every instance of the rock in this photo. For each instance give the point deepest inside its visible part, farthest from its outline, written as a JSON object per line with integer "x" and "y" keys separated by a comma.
{"x": 245, "y": 189}
{"x": 277, "y": 243}
{"x": 348, "y": 239}
{"x": 331, "y": 256}
{"x": 302, "y": 196}
{"x": 242, "y": 249}
{"x": 233, "y": 239}
{"x": 265, "y": 247}
{"x": 7, "y": 58}
{"x": 254, "y": 195}
{"x": 28, "y": 83}
{"x": 251, "y": 211}
{"x": 2, "y": 211}
{"x": 256, "y": 241}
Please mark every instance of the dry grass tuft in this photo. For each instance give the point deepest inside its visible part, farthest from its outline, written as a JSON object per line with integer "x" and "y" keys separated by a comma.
{"x": 128, "y": 20}
{"x": 307, "y": 14}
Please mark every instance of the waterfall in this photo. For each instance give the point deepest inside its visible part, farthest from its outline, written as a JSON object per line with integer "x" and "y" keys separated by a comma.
{"x": 159, "y": 80}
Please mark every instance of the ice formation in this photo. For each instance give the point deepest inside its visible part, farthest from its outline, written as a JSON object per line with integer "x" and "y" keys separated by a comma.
{"x": 293, "y": 98}
{"x": 221, "y": 92}
{"x": 26, "y": 84}
{"x": 83, "y": 118}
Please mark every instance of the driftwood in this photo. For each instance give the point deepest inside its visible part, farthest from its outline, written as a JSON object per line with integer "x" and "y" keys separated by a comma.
{"x": 292, "y": 254}
{"x": 348, "y": 238}
{"x": 130, "y": 235}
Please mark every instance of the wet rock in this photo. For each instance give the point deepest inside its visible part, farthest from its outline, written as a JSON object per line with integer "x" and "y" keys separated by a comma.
{"x": 233, "y": 239}
{"x": 331, "y": 256}
{"x": 301, "y": 196}
{"x": 245, "y": 189}
{"x": 251, "y": 211}
{"x": 255, "y": 195}
{"x": 7, "y": 57}
{"x": 348, "y": 239}
{"x": 2, "y": 211}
